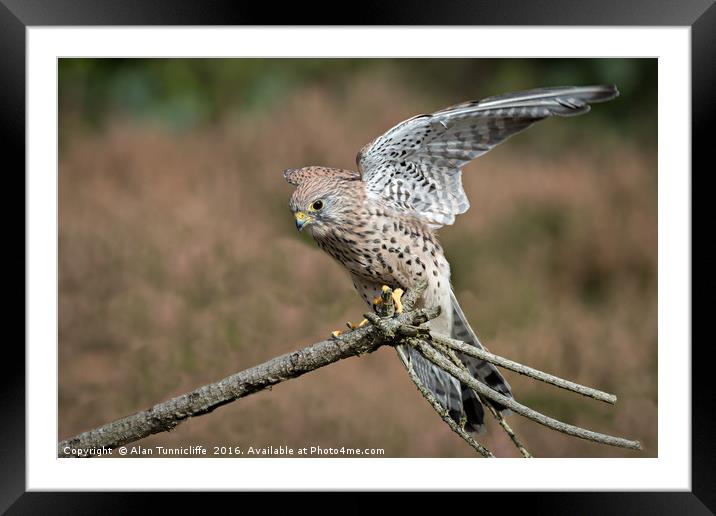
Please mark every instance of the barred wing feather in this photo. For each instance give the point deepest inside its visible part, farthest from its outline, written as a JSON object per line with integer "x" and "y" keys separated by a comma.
{"x": 416, "y": 165}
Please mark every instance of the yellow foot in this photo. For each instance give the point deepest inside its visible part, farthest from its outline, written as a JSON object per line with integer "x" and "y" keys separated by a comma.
{"x": 397, "y": 296}
{"x": 351, "y": 327}
{"x": 356, "y": 326}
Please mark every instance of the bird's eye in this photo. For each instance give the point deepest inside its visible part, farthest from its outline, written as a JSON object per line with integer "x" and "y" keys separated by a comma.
{"x": 316, "y": 205}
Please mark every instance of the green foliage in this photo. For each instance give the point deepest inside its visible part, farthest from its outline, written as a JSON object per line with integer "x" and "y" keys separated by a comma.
{"x": 184, "y": 93}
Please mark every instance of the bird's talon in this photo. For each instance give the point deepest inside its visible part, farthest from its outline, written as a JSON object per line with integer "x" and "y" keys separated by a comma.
{"x": 397, "y": 296}
{"x": 352, "y": 326}
{"x": 336, "y": 334}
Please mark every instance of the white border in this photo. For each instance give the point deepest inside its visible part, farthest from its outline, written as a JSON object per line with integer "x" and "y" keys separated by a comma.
{"x": 671, "y": 470}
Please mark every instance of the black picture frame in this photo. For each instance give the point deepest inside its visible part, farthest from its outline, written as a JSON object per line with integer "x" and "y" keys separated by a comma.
{"x": 17, "y": 15}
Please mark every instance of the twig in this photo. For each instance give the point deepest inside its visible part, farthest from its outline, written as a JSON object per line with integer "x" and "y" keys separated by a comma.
{"x": 501, "y": 420}
{"x": 441, "y": 410}
{"x": 511, "y": 433}
{"x": 434, "y": 356}
{"x": 524, "y": 370}
{"x": 386, "y": 309}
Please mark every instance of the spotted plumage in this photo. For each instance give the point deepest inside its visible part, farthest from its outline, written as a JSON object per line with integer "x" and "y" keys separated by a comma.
{"x": 380, "y": 222}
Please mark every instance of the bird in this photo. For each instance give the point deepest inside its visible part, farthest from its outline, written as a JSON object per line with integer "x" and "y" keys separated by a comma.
{"x": 380, "y": 221}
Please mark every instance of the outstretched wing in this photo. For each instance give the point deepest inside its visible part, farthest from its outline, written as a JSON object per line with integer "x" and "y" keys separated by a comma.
{"x": 416, "y": 165}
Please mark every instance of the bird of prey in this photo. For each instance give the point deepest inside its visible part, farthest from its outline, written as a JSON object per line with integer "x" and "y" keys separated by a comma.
{"x": 380, "y": 222}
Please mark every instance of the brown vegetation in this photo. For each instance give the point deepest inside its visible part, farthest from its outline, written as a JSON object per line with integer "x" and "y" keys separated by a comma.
{"x": 180, "y": 264}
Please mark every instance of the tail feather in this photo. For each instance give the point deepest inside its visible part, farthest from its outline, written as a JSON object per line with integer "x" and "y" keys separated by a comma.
{"x": 474, "y": 411}
{"x": 461, "y": 402}
{"x": 446, "y": 389}
{"x": 485, "y": 372}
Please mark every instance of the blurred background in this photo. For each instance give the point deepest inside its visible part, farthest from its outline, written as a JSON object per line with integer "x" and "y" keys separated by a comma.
{"x": 179, "y": 261}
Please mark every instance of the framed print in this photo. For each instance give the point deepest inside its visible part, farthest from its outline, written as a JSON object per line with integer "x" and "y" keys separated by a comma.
{"x": 168, "y": 170}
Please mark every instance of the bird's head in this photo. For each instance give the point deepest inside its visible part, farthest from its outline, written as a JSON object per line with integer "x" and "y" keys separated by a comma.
{"x": 323, "y": 199}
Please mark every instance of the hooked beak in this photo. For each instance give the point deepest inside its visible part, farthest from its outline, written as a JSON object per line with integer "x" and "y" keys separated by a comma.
{"x": 302, "y": 219}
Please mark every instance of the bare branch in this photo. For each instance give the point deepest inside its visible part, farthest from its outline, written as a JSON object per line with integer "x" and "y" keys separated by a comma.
{"x": 510, "y": 433}
{"x": 500, "y": 419}
{"x": 524, "y": 370}
{"x": 167, "y": 415}
{"x": 405, "y": 328}
{"x": 434, "y": 356}
{"x": 441, "y": 410}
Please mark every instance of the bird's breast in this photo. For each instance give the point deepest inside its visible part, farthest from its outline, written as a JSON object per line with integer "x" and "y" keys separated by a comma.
{"x": 388, "y": 250}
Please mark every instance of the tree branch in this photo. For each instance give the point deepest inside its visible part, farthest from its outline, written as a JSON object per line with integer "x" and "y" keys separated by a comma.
{"x": 441, "y": 410}
{"x": 405, "y": 328}
{"x": 167, "y": 415}
{"x": 524, "y": 370}
{"x": 435, "y": 357}
{"x": 499, "y": 417}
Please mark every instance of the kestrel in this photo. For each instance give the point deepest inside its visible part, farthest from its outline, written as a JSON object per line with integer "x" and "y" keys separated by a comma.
{"x": 380, "y": 222}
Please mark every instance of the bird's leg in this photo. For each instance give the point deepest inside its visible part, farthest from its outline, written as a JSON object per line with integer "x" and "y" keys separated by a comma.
{"x": 382, "y": 304}
{"x": 386, "y": 304}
